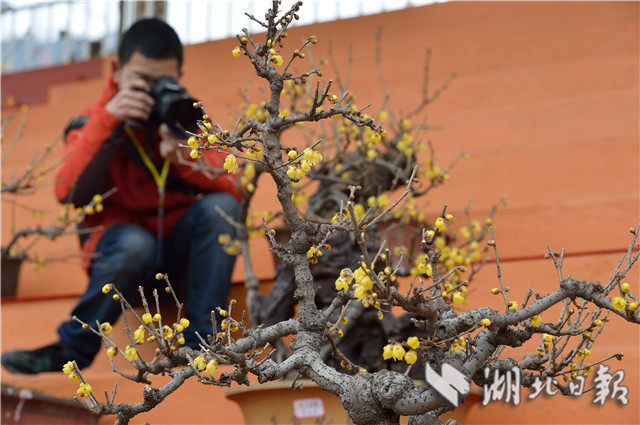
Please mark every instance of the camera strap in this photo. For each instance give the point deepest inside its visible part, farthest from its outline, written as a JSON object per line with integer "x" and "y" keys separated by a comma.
{"x": 159, "y": 177}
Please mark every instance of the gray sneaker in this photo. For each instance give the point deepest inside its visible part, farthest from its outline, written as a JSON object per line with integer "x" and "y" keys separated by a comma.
{"x": 50, "y": 358}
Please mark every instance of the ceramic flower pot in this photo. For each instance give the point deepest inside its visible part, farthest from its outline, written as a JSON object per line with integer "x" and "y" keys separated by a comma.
{"x": 21, "y": 406}
{"x": 278, "y": 403}
{"x": 10, "y": 273}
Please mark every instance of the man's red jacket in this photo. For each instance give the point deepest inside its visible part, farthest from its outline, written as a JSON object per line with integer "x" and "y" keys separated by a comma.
{"x": 99, "y": 156}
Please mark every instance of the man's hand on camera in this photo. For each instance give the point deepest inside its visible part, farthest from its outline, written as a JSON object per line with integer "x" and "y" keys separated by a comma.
{"x": 131, "y": 102}
{"x": 169, "y": 145}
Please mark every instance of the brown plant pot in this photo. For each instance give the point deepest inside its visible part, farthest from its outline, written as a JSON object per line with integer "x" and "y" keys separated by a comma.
{"x": 28, "y": 407}
{"x": 10, "y": 268}
{"x": 277, "y": 403}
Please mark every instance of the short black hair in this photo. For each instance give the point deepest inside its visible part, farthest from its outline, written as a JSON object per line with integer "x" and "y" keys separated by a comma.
{"x": 153, "y": 38}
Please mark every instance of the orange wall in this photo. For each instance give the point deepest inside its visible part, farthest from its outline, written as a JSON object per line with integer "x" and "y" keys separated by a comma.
{"x": 545, "y": 103}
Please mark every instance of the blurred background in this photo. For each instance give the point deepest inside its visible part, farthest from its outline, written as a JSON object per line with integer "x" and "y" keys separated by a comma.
{"x": 37, "y": 34}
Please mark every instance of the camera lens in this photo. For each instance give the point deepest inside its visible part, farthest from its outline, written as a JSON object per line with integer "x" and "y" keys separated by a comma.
{"x": 174, "y": 106}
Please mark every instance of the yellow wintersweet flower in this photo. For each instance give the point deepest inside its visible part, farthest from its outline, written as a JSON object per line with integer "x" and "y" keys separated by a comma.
{"x": 185, "y": 323}
{"x": 68, "y": 368}
{"x": 106, "y": 328}
{"x": 413, "y": 342}
{"x": 138, "y": 335}
{"x": 157, "y": 317}
{"x": 311, "y": 252}
{"x": 236, "y": 52}
{"x": 212, "y": 366}
{"x": 73, "y": 376}
{"x": 84, "y": 389}
{"x": 387, "y": 352}
{"x": 439, "y": 223}
{"x": 111, "y": 351}
{"x": 398, "y": 352}
{"x": 619, "y": 303}
{"x": 411, "y": 357}
{"x": 366, "y": 283}
{"x": 359, "y": 292}
{"x": 312, "y": 156}
{"x": 342, "y": 284}
{"x": 130, "y": 353}
{"x": 458, "y": 345}
{"x": 458, "y": 298}
{"x": 230, "y": 164}
{"x": 359, "y": 274}
{"x": 624, "y": 287}
{"x": 106, "y": 288}
{"x": 633, "y": 306}
{"x": 359, "y": 211}
{"x": 425, "y": 268}
{"x": 147, "y": 318}
{"x": 485, "y": 322}
{"x": 167, "y": 332}
{"x": 536, "y": 320}
{"x": 305, "y": 166}
{"x": 200, "y": 362}
{"x": 513, "y": 305}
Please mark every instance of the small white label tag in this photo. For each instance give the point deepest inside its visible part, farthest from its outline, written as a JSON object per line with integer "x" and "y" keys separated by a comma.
{"x": 308, "y": 408}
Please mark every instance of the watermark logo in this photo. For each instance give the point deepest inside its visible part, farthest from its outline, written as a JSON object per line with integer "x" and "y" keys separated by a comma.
{"x": 506, "y": 386}
{"x": 604, "y": 383}
{"x": 450, "y": 384}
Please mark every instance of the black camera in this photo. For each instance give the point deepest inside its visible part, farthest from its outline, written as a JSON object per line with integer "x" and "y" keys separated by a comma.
{"x": 173, "y": 106}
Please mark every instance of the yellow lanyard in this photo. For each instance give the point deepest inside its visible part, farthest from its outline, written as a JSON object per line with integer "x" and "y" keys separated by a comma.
{"x": 161, "y": 181}
{"x": 161, "y": 177}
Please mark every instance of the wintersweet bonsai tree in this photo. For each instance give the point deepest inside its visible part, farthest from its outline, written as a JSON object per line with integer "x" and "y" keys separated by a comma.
{"x": 566, "y": 322}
